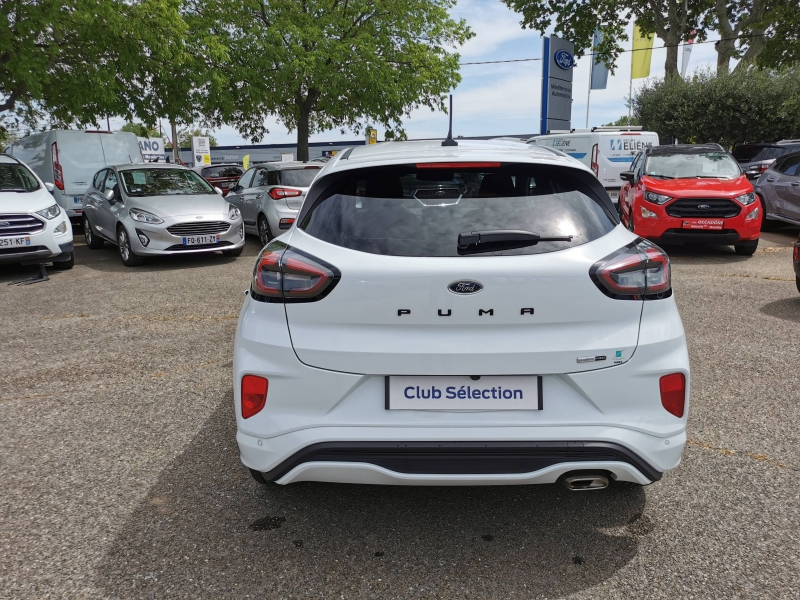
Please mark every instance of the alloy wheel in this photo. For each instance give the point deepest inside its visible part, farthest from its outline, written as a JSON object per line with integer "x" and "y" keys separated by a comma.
{"x": 124, "y": 245}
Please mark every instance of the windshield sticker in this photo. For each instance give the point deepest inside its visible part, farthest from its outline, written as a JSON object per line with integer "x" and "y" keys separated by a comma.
{"x": 139, "y": 178}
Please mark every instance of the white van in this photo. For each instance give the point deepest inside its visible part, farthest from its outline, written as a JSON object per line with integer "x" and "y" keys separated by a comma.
{"x": 608, "y": 151}
{"x": 69, "y": 159}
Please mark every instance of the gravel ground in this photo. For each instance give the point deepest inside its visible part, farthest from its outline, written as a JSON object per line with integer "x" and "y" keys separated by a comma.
{"x": 121, "y": 476}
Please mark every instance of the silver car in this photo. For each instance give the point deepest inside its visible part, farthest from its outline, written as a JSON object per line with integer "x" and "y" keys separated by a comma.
{"x": 270, "y": 195}
{"x": 159, "y": 209}
{"x": 779, "y": 191}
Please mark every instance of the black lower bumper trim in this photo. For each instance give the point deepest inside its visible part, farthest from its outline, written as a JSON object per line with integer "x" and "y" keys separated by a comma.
{"x": 464, "y": 458}
{"x": 723, "y": 237}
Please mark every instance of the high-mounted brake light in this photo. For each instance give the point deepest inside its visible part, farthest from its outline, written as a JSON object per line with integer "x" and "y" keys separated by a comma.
{"x": 254, "y": 395}
{"x": 58, "y": 173}
{"x": 673, "y": 393}
{"x": 279, "y": 193}
{"x": 595, "y": 166}
{"x": 459, "y": 165}
{"x": 285, "y": 274}
{"x": 639, "y": 271}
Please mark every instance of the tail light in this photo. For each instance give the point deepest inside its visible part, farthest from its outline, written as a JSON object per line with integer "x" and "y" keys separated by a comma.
{"x": 639, "y": 271}
{"x": 58, "y": 173}
{"x": 796, "y": 253}
{"x": 673, "y": 393}
{"x": 254, "y": 395}
{"x": 279, "y": 193}
{"x": 595, "y": 166}
{"x": 285, "y": 274}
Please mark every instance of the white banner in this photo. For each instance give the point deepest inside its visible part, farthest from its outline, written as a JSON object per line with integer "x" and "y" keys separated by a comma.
{"x": 152, "y": 148}
{"x": 201, "y": 151}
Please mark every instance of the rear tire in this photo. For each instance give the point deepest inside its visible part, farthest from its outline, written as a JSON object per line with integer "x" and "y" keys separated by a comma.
{"x": 264, "y": 233}
{"x": 746, "y": 248}
{"x": 65, "y": 265}
{"x": 235, "y": 252}
{"x": 93, "y": 241}
{"x": 797, "y": 283}
{"x": 129, "y": 259}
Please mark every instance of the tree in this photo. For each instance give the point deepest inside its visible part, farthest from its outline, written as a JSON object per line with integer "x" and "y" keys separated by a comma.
{"x": 747, "y": 105}
{"x": 624, "y": 121}
{"x": 185, "y": 137}
{"x": 323, "y": 64}
{"x": 672, "y": 20}
{"x": 140, "y": 130}
{"x": 72, "y": 61}
{"x": 782, "y": 45}
{"x": 742, "y": 26}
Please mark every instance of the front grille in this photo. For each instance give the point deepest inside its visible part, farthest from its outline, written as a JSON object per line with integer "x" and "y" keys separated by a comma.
{"x": 23, "y": 250}
{"x": 437, "y": 194}
{"x": 203, "y": 228}
{"x": 719, "y": 208}
{"x": 181, "y": 247}
{"x": 15, "y": 224}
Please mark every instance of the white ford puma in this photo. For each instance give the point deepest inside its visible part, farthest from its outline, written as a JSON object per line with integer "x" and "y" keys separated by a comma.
{"x": 460, "y": 315}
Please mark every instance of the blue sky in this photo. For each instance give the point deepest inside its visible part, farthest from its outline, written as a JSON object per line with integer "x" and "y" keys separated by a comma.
{"x": 503, "y": 99}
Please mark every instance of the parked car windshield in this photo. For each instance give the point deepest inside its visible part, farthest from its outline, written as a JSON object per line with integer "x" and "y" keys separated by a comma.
{"x": 298, "y": 177}
{"x": 16, "y": 178}
{"x": 750, "y": 153}
{"x": 687, "y": 166}
{"x": 163, "y": 182}
{"x": 402, "y": 211}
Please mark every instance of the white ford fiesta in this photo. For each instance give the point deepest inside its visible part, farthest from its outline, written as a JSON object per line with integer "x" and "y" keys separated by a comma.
{"x": 460, "y": 315}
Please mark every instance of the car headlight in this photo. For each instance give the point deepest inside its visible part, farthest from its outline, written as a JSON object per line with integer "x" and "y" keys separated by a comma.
{"x": 62, "y": 228}
{"x": 144, "y": 216}
{"x": 746, "y": 199}
{"x": 656, "y": 198}
{"x": 233, "y": 212}
{"x": 51, "y": 212}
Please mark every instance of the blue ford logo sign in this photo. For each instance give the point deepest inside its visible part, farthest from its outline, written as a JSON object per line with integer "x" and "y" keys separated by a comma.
{"x": 564, "y": 60}
{"x": 465, "y": 287}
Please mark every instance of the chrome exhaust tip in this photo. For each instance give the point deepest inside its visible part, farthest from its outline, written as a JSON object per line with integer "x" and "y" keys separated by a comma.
{"x": 585, "y": 483}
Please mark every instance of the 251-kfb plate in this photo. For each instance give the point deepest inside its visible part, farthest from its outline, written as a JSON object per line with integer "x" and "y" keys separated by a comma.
{"x": 461, "y": 392}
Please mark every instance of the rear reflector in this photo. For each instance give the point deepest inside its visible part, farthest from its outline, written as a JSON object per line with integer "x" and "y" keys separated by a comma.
{"x": 459, "y": 165}
{"x": 796, "y": 253}
{"x": 254, "y": 395}
{"x": 285, "y": 223}
{"x": 639, "y": 271}
{"x": 673, "y": 393}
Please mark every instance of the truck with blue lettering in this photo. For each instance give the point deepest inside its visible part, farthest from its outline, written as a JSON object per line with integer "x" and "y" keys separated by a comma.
{"x": 608, "y": 151}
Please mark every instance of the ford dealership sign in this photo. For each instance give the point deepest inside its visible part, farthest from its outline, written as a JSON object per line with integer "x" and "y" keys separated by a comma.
{"x": 564, "y": 60}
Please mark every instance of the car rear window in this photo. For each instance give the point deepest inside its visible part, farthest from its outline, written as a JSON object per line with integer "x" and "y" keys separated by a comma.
{"x": 298, "y": 177}
{"x": 403, "y": 211}
{"x": 748, "y": 153}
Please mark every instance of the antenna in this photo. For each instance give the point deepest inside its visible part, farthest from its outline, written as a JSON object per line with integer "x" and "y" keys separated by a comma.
{"x": 450, "y": 141}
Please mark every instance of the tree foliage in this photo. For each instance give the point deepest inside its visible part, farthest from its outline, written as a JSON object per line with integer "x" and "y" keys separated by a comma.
{"x": 324, "y": 64}
{"x": 746, "y": 106}
{"x": 782, "y": 42}
{"x": 624, "y": 121}
{"x": 140, "y": 129}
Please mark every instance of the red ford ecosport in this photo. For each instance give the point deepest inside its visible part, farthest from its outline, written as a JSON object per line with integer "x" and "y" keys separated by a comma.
{"x": 690, "y": 194}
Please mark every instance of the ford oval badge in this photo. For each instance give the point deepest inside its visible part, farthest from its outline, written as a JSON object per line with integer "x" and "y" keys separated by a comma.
{"x": 564, "y": 60}
{"x": 465, "y": 287}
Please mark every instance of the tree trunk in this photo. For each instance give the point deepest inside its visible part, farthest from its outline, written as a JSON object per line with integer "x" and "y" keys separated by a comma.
{"x": 725, "y": 49}
{"x": 302, "y": 136}
{"x": 671, "y": 64}
{"x": 176, "y": 147}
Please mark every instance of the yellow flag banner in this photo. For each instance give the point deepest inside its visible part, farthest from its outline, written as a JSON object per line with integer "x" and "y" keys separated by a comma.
{"x": 642, "y": 53}
{"x": 246, "y": 162}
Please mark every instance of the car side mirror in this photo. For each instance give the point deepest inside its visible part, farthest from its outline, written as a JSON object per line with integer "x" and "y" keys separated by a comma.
{"x": 49, "y": 187}
{"x": 111, "y": 195}
{"x": 218, "y": 190}
{"x": 626, "y": 176}
{"x": 752, "y": 175}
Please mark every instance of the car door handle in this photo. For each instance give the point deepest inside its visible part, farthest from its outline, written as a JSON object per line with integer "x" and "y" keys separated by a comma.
{"x": 771, "y": 179}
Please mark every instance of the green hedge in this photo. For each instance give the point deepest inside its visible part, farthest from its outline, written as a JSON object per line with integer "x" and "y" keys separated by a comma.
{"x": 748, "y": 106}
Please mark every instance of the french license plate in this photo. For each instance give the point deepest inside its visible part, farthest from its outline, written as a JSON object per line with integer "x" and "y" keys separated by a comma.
{"x": 461, "y": 392}
{"x": 712, "y": 224}
{"x": 77, "y": 200}
{"x": 15, "y": 242}
{"x": 199, "y": 240}
{"x": 225, "y": 184}
{"x": 614, "y": 195}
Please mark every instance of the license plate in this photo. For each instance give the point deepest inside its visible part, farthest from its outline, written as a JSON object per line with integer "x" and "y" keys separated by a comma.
{"x": 225, "y": 184}
{"x": 713, "y": 224}
{"x": 199, "y": 240}
{"x": 461, "y": 392}
{"x": 614, "y": 195}
{"x": 77, "y": 200}
{"x": 15, "y": 242}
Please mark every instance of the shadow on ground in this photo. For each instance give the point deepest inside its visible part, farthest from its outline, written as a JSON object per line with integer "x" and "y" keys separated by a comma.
{"x": 207, "y": 529}
{"x": 787, "y": 309}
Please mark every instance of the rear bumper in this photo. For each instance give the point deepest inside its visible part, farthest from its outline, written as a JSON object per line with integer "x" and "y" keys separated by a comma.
{"x": 377, "y": 456}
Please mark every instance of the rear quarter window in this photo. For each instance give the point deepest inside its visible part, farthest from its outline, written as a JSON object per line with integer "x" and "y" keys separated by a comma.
{"x": 400, "y": 211}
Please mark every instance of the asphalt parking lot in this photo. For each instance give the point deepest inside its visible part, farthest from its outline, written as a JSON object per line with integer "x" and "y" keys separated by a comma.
{"x": 121, "y": 475}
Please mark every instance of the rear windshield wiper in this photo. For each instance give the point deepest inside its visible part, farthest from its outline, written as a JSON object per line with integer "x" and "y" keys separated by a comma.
{"x": 17, "y": 190}
{"x": 475, "y": 242}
